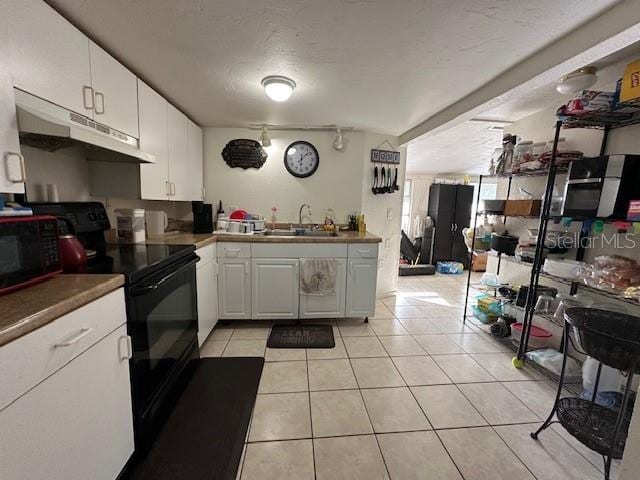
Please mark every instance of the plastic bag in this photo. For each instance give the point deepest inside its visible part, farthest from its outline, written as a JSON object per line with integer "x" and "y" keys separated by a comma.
{"x": 450, "y": 267}
{"x": 551, "y": 360}
{"x": 610, "y": 378}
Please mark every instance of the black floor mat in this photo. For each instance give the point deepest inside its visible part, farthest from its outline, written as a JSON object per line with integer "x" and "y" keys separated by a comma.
{"x": 301, "y": 336}
{"x": 204, "y": 436}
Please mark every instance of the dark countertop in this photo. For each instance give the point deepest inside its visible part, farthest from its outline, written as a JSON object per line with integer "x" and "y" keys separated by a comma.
{"x": 26, "y": 310}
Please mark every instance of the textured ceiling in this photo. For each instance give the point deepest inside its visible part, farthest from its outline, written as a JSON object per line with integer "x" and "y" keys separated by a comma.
{"x": 462, "y": 148}
{"x": 373, "y": 64}
{"x": 467, "y": 147}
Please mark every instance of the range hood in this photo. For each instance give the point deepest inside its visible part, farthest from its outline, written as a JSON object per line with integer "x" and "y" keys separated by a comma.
{"x": 50, "y": 127}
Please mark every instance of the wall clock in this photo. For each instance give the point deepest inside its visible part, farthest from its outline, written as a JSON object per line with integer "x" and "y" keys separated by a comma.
{"x": 301, "y": 159}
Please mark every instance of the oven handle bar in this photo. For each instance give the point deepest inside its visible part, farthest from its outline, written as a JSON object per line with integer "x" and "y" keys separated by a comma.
{"x": 154, "y": 286}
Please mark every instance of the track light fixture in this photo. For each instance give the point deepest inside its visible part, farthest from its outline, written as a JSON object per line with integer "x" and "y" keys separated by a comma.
{"x": 338, "y": 142}
{"x": 265, "y": 141}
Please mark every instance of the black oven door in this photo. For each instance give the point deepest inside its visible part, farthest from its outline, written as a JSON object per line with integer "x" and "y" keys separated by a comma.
{"x": 163, "y": 325}
{"x": 582, "y": 198}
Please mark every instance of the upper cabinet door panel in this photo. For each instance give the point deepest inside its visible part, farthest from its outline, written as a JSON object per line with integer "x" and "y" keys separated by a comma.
{"x": 115, "y": 92}
{"x": 179, "y": 155}
{"x": 153, "y": 139}
{"x": 49, "y": 56}
{"x": 196, "y": 161}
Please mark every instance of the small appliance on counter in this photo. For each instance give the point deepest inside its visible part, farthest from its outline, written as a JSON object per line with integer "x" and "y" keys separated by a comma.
{"x": 72, "y": 253}
{"x": 131, "y": 225}
{"x": 29, "y": 251}
{"x": 504, "y": 243}
{"x": 602, "y": 187}
{"x": 202, "y": 217}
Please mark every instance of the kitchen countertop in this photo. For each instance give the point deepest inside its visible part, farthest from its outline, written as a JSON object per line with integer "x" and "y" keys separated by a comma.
{"x": 202, "y": 239}
{"x": 26, "y": 310}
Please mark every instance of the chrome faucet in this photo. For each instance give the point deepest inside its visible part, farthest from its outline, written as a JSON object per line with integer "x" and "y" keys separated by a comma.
{"x": 300, "y": 212}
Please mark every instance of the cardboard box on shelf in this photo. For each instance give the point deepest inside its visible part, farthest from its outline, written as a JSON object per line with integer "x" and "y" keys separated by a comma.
{"x": 479, "y": 262}
{"x": 523, "y": 208}
{"x": 630, "y": 88}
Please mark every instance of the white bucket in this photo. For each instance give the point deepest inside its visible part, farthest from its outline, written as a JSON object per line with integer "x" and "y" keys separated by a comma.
{"x": 130, "y": 225}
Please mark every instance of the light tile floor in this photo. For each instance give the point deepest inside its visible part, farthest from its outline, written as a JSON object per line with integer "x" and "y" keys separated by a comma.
{"x": 413, "y": 394}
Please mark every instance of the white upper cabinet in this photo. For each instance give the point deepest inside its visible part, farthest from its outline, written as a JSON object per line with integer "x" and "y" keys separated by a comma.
{"x": 153, "y": 111}
{"x": 196, "y": 161}
{"x": 115, "y": 92}
{"x": 178, "y": 135}
{"x": 12, "y": 170}
{"x": 49, "y": 56}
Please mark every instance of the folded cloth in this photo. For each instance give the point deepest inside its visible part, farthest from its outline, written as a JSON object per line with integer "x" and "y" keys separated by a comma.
{"x": 318, "y": 276}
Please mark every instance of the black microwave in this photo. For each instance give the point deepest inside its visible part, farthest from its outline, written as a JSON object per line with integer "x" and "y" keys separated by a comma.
{"x": 602, "y": 187}
{"x": 29, "y": 251}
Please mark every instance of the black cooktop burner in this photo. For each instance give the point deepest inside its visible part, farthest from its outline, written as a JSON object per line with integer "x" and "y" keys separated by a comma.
{"x": 137, "y": 261}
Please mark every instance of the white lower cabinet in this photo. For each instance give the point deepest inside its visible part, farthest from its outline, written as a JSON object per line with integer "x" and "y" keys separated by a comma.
{"x": 261, "y": 281}
{"x": 207, "y": 282}
{"x": 361, "y": 287}
{"x": 274, "y": 289}
{"x": 234, "y": 288}
{"x": 329, "y": 306}
{"x": 77, "y": 423}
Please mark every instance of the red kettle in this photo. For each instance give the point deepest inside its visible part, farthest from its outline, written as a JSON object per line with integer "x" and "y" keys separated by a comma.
{"x": 72, "y": 252}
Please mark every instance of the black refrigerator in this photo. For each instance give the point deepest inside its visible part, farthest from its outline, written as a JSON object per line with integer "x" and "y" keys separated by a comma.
{"x": 450, "y": 209}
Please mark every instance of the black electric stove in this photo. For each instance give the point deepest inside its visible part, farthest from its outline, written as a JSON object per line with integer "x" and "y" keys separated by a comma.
{"x": 137, "y": 261}
{"x": 162, "y": 313}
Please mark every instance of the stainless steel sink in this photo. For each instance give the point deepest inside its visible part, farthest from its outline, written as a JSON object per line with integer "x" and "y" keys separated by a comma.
{"x": 299, "y": 233}
{"x": 280, "y": 233}
{"x": 319, "y": 233}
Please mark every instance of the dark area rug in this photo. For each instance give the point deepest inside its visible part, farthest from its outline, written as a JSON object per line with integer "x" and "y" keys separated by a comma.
{"x": 204, "y": 436}
{"x": 301, "y": 336}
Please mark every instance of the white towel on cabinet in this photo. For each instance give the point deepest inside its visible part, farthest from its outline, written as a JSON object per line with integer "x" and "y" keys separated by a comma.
{"x": 318, "y": 276}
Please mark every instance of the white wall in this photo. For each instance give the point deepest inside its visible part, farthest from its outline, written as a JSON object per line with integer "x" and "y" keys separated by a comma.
{"x": 342, "y": 182}
{"x": 383, "y": 213}
{"x": 336, "y": 184}
{"x": 70, "y": 171}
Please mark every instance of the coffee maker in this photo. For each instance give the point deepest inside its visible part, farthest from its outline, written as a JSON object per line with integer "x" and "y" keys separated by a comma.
{"x": 202, "y": 217}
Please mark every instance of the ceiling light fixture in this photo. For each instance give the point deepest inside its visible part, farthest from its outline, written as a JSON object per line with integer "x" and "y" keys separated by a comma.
{"x": 278, "y": 88}
{"x": 265, "y": 141}
{"x": 581, "y": 79}
{"x": 338, "y": 142}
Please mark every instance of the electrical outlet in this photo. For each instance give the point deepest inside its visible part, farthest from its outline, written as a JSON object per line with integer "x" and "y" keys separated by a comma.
{"x": 387, "y": 243}
{"x": 389, "y": 213}
{"x": 380, "y": 263}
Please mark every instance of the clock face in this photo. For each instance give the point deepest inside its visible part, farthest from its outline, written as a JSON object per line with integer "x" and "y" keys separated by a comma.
{"x": 301, "y": 159}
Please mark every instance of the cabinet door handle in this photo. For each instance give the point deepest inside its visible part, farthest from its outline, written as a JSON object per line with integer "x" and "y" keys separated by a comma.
{"x": 173, "y": 189}
{"x": 125, "y": 348}
{"x": 75, "y": 339}
{"x": 235, "y": 251}
{"x": 87, "y": 97}
{"x": 363, "y": 252}
{"x": 99, "y": 108}
{"x": 246, "y": 269}
{"x": 22, "y": 169}
{"x": 167, "y": 187}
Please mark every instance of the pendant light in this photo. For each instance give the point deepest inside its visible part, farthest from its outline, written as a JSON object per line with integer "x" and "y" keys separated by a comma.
{"x": 278, "y": 88}
{"x": 265, "y": 141}
{"x": 581, "y": 79}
